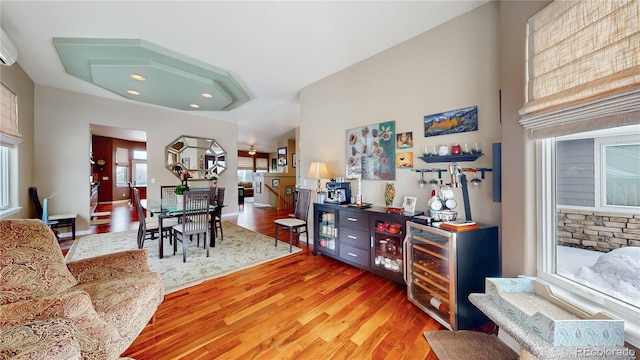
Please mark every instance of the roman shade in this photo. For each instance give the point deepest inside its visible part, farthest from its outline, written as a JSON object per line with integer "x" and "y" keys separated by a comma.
{"x": 9, "y": 133}
{"x": 583, "y": 67}
{"x": 262, "y": 164}
{"x": 245, "y": 163}
{"x": 122, "y": 156}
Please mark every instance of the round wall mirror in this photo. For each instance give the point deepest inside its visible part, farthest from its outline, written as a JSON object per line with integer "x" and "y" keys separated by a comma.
{"x": 196, "y": 157}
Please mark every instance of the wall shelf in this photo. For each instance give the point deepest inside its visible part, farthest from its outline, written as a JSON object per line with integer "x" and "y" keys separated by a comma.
{"x": 450, "y": 158}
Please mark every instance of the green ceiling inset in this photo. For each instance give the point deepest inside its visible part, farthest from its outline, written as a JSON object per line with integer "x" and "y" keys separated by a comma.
{"x": 172, "y": 80}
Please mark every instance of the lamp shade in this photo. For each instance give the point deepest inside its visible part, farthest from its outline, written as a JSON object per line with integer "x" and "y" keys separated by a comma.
{"x": 318, "y": 170}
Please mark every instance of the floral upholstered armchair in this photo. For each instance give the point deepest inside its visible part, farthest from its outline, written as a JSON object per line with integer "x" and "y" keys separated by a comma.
{"x": 90, "y": 309}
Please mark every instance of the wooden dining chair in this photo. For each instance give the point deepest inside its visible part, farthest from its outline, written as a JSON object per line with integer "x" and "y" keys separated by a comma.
{"x": 168, "y": 197}
{"x": 148, "y": 227}
{"x": 297, "y": 223}
{"x": 195, "y": 221}
{"x": 217, "y": 213}
{"x": 54, "y": 221}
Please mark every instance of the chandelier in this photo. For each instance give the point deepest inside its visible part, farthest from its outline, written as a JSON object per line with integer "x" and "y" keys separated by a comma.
{"x": 252, "y": 150}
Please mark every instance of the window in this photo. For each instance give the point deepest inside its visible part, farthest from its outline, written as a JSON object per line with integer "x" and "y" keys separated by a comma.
{"x": 122, "y": 175}
{"x": 139, "y": 167}
{"x": 140, "y": 154}
{"x": 122, "y": 166}
{"x": 5, "y": 200}
{"x": 590, "y": 228}
{"x": 10, "y": 137}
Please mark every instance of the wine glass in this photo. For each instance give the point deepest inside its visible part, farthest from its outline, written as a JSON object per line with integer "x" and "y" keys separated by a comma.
{"x": 422, "y": 182}
{"x": 433, "y": 182}
{"x": 477, "y": 148}
{"x": 476, "y": 181}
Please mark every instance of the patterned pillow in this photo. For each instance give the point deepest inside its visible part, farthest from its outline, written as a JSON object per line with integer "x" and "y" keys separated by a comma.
{"x": 31, "y": 262}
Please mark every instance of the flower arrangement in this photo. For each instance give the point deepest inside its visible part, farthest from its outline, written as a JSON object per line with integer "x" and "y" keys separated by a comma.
{"x": 211, "y": 176}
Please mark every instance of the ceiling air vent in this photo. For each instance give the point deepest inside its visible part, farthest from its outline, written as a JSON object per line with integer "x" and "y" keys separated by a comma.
{"x": 8, "y": 51}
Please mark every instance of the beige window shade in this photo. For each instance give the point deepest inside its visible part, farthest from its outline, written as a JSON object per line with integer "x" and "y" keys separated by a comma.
{"x": 122, "y": 156}
{"x": 262, "y": 164}
{"x": 9, "y": 133}
{"x": 583, "y": 67}
{"x": 245, "y": 163}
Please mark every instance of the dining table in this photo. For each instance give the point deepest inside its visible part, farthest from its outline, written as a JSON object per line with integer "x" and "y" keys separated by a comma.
{"x": 165, "y": 210}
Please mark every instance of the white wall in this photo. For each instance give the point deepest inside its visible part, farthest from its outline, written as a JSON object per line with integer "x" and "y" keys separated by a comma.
{"x": 62, "y": 142}
{"x": 450, "y": 67}
{"x": 518, "y": 161}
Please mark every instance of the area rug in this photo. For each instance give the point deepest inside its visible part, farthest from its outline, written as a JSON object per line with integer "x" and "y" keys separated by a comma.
{"x": 101, "y": 213}
{"x": 100, "y": 221}
{"x": 468, "y": 345}
{"x": 240, "y": 249}
{"x": 263, "y": 206}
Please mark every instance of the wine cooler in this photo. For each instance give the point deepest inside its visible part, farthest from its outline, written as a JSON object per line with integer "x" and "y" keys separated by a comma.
{"x": 443, "y": 267}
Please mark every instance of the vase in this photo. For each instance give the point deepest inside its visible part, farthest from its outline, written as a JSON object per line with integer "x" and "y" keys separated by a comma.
{"x": 389, "y": 193}
{"x": 179, "y": 202}
{"x": 214, "y": 183}
{"x": 368, "y": 165}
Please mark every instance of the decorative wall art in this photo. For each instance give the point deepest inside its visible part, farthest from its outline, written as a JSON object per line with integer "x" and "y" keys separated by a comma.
{"x": 451, "y": 122}
{"x": 282, "y": 156}
{"x": 409, "y": 203}
{"x": 404, "y": 140}
{"x": 371, "y": 152}
{"x": 404, "y": 159}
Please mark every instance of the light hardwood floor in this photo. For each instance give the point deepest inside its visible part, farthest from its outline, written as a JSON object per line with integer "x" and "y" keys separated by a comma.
{"x": 298, "y": 307}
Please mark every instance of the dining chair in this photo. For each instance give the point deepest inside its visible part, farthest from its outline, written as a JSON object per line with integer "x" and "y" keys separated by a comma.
{"x": 168, "y": 197}
{"x": 217, "y": 213}
{"x": 54, "y": 221}
{"x": 149, "y": 226}
{"x": 195, "y": 220}
{"x": 297, "y": 222}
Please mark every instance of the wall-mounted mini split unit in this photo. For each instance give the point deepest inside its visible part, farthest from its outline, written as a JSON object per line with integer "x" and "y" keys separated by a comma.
{"x": 8, "y": 51}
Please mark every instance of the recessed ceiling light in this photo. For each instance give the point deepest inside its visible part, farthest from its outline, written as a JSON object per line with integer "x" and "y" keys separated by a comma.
{"x": 138, "y": 77}
{"x": 207, "y": 95}
{"x": 133, "y": 92}
{"x": 195, "y": 106}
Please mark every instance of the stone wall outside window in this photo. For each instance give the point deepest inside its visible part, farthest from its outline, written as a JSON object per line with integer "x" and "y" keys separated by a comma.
{"x": 597, "y": 231}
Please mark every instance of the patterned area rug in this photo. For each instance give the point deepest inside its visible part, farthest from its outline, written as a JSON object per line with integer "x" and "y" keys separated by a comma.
{"x": 468, "y": 345}
{"x": 240, "y": 249}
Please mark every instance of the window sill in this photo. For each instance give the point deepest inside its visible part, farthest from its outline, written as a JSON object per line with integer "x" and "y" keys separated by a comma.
{"x": 592, "y": 302}
{"x": 10, "y": 211}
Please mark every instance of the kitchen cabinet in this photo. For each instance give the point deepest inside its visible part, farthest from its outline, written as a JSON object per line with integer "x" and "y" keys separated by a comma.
{"x": 368, "y": 238}
{"x": 444, "y": 267}
{"x": 324, "y": 230}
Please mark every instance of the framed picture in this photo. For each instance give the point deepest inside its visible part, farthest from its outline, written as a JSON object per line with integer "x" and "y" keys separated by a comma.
{"x": 451, "y": 122}
{"x": 282, "y": 156}
{"x": 274, "y": 165}
{"x": 404, "y": 140}
{"x": 371, "y": 152}
{"x": 293, "y": 159}
{"x": 186, "y": 161}
{"x": 275, "y": 183}
{"x": 289, "y": 191}
{"x": 409, "y": 203}
{"x": 404, "y": 159}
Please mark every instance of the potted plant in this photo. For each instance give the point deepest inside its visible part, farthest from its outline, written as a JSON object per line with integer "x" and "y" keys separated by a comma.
{"x": 213, "y": 178}
{"x": 180, "y": 189}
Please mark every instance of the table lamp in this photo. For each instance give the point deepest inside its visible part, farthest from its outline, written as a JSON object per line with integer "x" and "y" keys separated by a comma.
{"x": 319, "y": 170}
